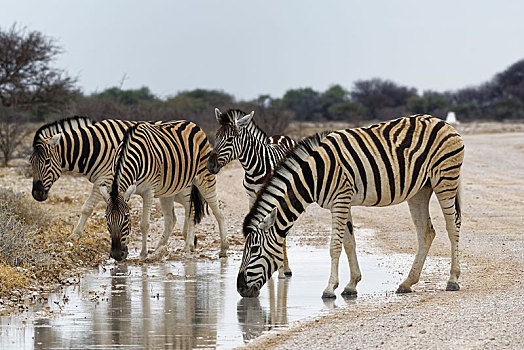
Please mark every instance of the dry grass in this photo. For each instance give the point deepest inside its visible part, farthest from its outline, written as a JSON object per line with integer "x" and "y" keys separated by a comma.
{"x": 33, "y": 245}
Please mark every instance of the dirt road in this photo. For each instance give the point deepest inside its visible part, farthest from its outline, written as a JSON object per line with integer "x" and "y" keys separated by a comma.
{"x": 488, "y": 311}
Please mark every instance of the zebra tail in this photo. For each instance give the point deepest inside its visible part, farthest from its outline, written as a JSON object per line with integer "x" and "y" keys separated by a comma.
{"x": 198, "y": 203}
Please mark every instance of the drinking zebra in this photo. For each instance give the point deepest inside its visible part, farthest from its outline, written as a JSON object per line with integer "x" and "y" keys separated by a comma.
{"x": 78, "y": 144}
{"x": 240, "y": 137}
{"x": 405, "y": 159}
{"x": 159, "y": 160}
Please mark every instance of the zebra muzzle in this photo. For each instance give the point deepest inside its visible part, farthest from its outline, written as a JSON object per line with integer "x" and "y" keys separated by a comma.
{"x": 244, "y": 290}
{"x": 39, "y": 192}
{"x": 212, "y": 164}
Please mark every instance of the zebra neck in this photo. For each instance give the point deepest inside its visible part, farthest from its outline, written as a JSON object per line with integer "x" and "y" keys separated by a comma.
{"x": 290, "y": 193}
{"x": 255, "y": 133}
{"x": 74, "y": 153}
{"x": 255, "y": 146}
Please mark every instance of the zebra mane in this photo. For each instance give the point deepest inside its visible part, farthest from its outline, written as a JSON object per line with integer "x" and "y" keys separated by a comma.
{"x": 289, "y": 164}
{"x": 61, "y": 125}
{"x": 228, "y": 119}
{"x": 121, "y": 157}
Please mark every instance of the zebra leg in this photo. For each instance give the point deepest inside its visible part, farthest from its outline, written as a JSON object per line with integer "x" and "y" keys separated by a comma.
{"x": 451, "y": 209}
{"x": 94, "y": 197}
{"x": 183, "y": 198}
{"x": 287, "y": 270}
{"x": 335, "y": 248}
{"x": 147, "y": 198}
{"x": 207, "y": 187}
{"x": 166, "y": 204}
{"x": 419, "y": 209}
{"x": 351, "y": 252}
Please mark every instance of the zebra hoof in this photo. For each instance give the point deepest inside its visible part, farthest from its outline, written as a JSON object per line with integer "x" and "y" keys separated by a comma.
{"x": 288, "y": 273}
{"x": 403, "y": 290}
{"x": 74, "y": 236}
{"x": 452, "y": 286}
{"x": 195, "y": 241}
{"x": 222, "y": 254}
{"x": 349, "y": 293}
{"x": 328, "y": 295}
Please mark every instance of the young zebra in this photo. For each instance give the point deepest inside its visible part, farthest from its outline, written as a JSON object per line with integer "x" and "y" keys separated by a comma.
{"x": 406, "y": 159}
{"x": 79, "y": 145}
{"x": 159, "y": 160}
{"x": 239, "y": 137}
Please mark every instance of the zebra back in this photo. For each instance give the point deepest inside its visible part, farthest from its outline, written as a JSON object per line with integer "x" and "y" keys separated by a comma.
{"x": 380, "y": 165}
{"x": 166, "y": 156}
{"x": 61, "y": 125}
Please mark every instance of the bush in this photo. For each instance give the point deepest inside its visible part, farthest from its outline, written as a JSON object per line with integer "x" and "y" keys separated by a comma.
{"x": 19, "y": 221}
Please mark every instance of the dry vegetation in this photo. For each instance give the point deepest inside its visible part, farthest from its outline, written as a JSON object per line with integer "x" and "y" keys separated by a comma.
{"x": 34, "y": 254}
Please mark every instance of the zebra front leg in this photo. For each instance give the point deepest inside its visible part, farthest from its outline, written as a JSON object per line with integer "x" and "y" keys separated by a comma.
{"x": 94, "y": 197}
{"x": 351, "y": 252}
{"x": 419, "y": 209}
{"x": 147, "y": 198}
{"x": 335, "y": 248}
{"x": 166, "y": 204}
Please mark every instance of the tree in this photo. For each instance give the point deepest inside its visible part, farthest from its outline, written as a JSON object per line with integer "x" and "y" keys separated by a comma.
{"x": 303, "y": 102}
{"x": 429, "y": 103}
{"x": 377, "y": 94}
{"x": 28, "y": 82}
{"x": 511, "y": 81}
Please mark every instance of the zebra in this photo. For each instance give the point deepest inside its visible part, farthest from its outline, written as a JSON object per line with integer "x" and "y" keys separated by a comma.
{"x": 405, "y": 159}
{"x": 159, "y": 160}
{"x": 80, "y": 145}
{"x": 240, "y": 137}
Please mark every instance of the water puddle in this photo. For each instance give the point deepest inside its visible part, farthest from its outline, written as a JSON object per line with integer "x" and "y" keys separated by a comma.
{"x": 185, "y": 304}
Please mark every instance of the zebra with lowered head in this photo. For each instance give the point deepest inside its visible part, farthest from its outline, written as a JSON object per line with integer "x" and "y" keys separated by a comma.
{"x": 240, "y": 137}
{"x": 159, "y": 160}
{"x": 406, "y": 159}
{"x": 80, "y": 145}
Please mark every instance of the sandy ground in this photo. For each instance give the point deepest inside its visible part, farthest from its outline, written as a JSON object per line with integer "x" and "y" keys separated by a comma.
{"x": 486, "y": 313}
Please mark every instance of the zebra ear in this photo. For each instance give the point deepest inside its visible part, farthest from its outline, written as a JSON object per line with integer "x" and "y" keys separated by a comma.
{"x": 244, "y": 120}
{"x": 53, "y": 141}
{"x": 103, "y": 190}
{"x": 129, "y": 192}
{"x": 217, "y": 115}
{"x": 268, "y": 221}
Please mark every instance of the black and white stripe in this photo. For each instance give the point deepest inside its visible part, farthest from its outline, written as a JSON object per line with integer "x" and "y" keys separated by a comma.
{"x": 160, "y": 161}
{"x": 240, "y": 138}
{"x": 80, "y": 145}
{"x": 406, "y": 159}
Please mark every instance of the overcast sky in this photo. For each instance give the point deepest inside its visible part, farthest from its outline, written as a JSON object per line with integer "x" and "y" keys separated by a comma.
{"x": 248, "y": 48}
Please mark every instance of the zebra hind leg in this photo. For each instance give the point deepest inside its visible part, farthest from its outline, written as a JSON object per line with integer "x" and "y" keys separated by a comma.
{"x": 207, "y": 186}
{"x": 450, "y": 205}
{"x": 419, "y": 209}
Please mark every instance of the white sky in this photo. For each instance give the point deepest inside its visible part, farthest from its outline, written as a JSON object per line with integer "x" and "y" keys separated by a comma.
{"x": 249, "y": 48}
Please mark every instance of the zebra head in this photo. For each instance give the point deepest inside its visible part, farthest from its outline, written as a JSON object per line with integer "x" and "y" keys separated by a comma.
{"x": 46, "y": 164}
{"x": 118, "y": 220}
{"x": 263, "y": 254}
{"x": 228, "y": 143}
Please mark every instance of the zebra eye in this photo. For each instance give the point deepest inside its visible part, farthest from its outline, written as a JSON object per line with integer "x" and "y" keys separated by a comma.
{"x": 254, "y": 249}
{"x": 230, "y": 139}
{"x": 47, "y": 161}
